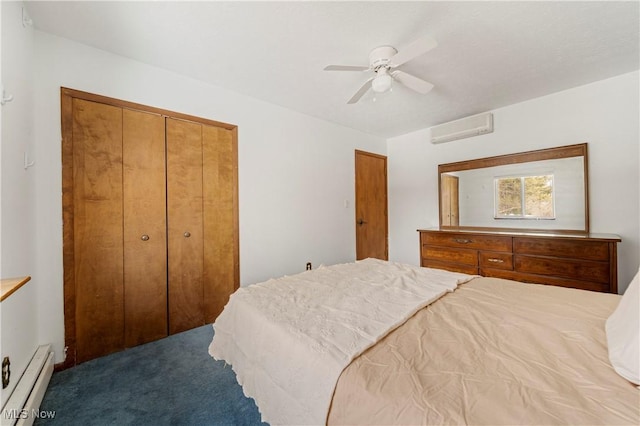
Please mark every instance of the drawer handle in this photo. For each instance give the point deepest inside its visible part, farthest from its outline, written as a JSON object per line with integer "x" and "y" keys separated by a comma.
{"x": 495, "y": 260}
{"x": 462, "y": 240}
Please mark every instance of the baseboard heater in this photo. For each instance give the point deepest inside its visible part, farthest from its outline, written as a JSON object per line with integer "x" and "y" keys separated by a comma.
{"x": 23, "y": 406}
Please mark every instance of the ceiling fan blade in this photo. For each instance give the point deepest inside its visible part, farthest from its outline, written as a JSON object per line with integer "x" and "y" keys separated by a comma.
{"x": 415, "y": 49}
{"x": 366, "y": 86}
{"x": 345, "y": 68}
{"x": 412, "y": 82}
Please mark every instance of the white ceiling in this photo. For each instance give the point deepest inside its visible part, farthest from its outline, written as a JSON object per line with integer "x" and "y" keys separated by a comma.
{"x": 490, "y": 54}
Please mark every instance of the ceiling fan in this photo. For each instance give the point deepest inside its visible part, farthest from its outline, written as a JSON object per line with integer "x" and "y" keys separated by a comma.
{"x": 383, "y": 61}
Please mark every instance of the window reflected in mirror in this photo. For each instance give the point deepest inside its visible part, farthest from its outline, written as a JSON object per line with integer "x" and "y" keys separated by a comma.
{"x": 524, "y": 197}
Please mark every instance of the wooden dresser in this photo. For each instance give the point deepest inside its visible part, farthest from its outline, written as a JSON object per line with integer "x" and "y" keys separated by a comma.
{"x": 587, "y": 262}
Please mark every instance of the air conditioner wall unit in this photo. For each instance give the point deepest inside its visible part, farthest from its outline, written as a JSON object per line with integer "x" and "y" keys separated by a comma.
{"x": 474, "y": 125}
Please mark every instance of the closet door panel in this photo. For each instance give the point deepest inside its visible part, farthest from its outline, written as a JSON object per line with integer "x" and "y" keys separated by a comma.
{"x": 220, "y": 219}
{"x": 98, "y": 252}
{"x": 145, "y": 246}
{"x": 185, "y": 224}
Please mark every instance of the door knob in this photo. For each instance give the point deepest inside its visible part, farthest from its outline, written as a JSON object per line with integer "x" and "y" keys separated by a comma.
{"x": 145, "y": 237}
{"x": 187, "y": 234}
{"x": 361, "y": 222}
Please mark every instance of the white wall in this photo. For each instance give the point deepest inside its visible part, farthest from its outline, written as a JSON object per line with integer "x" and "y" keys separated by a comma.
{"x": 604, "y": 114}
{"x": 295, "y": 171}
{"x": 18, "y": 313}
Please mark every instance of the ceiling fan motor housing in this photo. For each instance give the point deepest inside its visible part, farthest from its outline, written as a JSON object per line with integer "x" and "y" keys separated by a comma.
{"x": 379, "y": 60}
{"x": 381, "y": 57}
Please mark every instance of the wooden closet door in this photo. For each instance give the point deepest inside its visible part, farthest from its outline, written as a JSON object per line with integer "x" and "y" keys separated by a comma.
{"x": 185, "y": 224}
{"x": 97, "y": 231}
{"x": 220, "y": 219}
{"x": 145, "y": 244}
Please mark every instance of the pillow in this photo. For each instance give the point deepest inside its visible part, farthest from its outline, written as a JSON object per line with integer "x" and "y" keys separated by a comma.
{"x": 623, "y": 333}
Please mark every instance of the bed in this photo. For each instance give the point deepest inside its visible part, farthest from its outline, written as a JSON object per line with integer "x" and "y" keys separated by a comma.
{"x": 375, "y": 342}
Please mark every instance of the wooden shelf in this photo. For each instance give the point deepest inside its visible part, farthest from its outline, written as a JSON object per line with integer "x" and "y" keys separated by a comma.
{"x": 10, "y": 285}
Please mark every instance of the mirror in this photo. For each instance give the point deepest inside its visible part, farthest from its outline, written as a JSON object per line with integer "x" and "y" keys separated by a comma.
{"x": 543, "y": 191}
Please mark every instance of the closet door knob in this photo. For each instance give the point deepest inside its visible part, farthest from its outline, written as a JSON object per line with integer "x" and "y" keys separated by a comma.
{"x": 145, "y": 237}
{"x": 187, "y": 234}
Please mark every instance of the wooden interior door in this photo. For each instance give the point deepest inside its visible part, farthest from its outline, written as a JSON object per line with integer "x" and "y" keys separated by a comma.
{"x": 449, "y": 200}
{"x": 185, "y": 224}
{"x": 97, "y": 232}
{"x": 145, "y": 242}
{"x": 220, "y": 183}
{"x": 371, "y": 206}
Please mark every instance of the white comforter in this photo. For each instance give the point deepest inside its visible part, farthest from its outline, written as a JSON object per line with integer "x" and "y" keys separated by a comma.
{"x": 288, "y": 339}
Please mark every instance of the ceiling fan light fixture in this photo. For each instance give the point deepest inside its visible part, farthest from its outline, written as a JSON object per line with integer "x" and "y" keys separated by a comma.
{"x": 382, "y": 82}
{"x": 383, "y": 61}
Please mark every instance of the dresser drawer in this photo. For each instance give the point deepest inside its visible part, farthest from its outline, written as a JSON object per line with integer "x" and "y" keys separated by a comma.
{"x": 582, "y": 270}
{"x": 451, "y": 255}
{"x": 465, "y": 240}
{"x": 576, "y": 249}
{"x": 453, "y": 267}
{"x": 496, "y": 260}
{"x": 545, "y": 279}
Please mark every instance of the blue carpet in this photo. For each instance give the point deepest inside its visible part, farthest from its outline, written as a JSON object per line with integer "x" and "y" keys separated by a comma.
{"x": 172, "y": 381}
